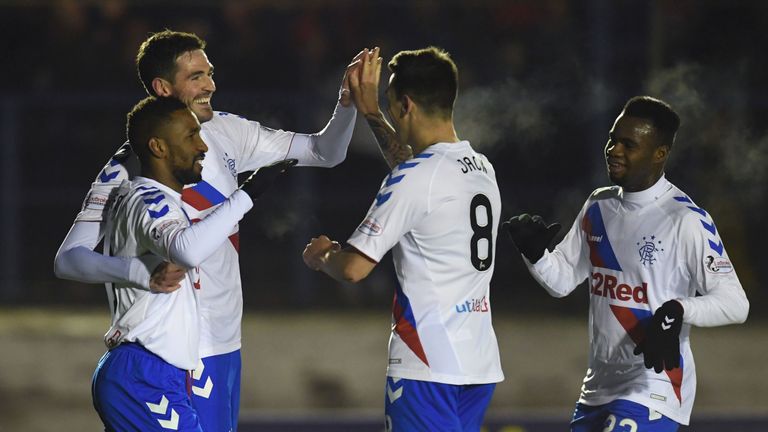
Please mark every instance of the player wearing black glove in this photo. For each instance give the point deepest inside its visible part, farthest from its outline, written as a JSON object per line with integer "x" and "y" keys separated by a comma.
{"x": 258, "y": 182}
{"x": 531, "y": 234}
{"x": 661, "y": 345}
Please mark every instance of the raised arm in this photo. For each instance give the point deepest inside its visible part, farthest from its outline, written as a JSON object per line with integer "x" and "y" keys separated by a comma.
{"x": 364, "y": 86}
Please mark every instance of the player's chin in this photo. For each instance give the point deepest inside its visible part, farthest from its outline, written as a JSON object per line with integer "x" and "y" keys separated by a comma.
{"x": 203, "y": 113}
{"x": 616, "y": 177}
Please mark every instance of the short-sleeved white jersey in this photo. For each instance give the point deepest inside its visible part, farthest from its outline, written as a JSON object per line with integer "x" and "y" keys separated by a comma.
{"x": 235, "y": 145}
{"x": 639, "y": 250}
{"x": 438, "y": 212}
{"x": 145, "y": 218}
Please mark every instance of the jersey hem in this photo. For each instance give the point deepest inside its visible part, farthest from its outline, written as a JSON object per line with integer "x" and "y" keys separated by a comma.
{"x": 220, "y": 349}
{"x": 445, "y": 379}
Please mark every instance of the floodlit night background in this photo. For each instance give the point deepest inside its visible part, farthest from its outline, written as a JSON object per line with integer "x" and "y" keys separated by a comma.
{"x": 540, "y": 85}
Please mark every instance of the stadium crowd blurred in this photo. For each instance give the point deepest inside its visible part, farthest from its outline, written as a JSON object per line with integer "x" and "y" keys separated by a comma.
{"x": 540, "y": 84}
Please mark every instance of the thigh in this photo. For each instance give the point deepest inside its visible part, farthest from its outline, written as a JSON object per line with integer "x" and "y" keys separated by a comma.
{"x": 216, "y": 391}
{"x": 473, "y": 402}
{"x": 588, "y": 418}
{"x": 416, "y": 406}
{"x": 626, "y": 416}
{"x": 138, "y": 391}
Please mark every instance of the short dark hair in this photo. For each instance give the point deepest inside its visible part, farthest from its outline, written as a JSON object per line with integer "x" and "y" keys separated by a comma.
{"x": 429, "y": 76}
{"x": 157, "y": 55}
{"x": 660, "y": 113}
{"x": 147, "y": 118}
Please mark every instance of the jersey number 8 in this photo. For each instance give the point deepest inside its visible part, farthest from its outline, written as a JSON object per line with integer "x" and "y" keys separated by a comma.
{"x": 482, "y": 229}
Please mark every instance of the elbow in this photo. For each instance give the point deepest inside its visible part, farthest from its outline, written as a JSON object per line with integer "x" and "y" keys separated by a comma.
{"x": 335, "y": 160}
{"x": 61, "y": 265}
{"x": 58, "y": 266}
{"x": 743, "y": 312}
{"x": 185, "y": 259}
{"x": 352, "y": 275}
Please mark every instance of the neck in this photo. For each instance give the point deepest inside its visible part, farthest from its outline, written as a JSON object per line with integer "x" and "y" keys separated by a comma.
{"x": 432, "y": 131}
{"x": 164, "y": 178}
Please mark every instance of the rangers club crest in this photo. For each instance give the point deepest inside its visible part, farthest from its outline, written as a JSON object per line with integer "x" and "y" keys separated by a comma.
{"x": 649, "y": 249}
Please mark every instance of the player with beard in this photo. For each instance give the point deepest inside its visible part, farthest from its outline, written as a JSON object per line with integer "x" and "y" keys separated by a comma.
{"x": 175, "y": 64}
{"x": 141, "y": 383}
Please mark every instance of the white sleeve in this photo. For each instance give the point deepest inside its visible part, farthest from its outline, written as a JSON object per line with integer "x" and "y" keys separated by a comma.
{"x": 563, "y": 269}
{"x": 395, "y": 211}
{"x": 328, "y": 147}
{"x": 76, "y": 260}
{"x": 722, "y": 299}
{"x": 190, "y": 246}
{"x": 248, "y": 142}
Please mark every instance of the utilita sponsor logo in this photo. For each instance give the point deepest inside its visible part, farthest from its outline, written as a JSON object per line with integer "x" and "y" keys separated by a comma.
{"x": 609, "y": 286}
{"x": 474, "y": 305}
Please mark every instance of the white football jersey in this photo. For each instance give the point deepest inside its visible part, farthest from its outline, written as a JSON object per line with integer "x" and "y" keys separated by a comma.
{"x": 144, "y": 218}
{"x": 639, "y": 250}
{"x": 235, "y": 145}
{"x": 438, "y": 212}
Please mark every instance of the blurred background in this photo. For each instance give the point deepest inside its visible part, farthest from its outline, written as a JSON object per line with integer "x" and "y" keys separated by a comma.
{"x": 540, "y": 85}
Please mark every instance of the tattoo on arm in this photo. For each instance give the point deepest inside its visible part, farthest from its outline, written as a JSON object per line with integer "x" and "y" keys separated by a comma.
{"x": 393, "y": 150}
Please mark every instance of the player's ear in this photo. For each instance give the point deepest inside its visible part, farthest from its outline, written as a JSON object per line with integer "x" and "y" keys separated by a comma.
{"x": 157, "y": 147}
{"x": 161, "y": 87}
{"x": 406, "y": 105}
{"x": 661, "y": 154}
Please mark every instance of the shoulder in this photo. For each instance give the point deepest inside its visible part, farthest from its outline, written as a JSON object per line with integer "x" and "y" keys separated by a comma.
{"x": 605, "y": 193}
{"x": 121, "y": 166}
{"x": 148, "y": 201}
{"x": 690, "y": 215}
{"x": 222, "y": 120}
{"x": 407, "y": 179}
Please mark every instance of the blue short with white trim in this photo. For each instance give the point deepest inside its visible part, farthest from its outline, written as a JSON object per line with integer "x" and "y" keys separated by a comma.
{"x": 620, "y": 416}
{"x": 216, "y": 391}
{"x": 414, "y": 406}
{"x": 135, "y": 390}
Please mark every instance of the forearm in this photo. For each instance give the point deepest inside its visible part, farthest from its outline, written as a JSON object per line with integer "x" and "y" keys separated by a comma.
{"x": 328, "y": 147}
{"x": 347, "y": 265}
{"x": 197, "y": 242}
{"x": 394, "y": 151}
{"x": 555, "y": 274}
{"x": 716, "y": 308}
{"x": 76, "y": 260}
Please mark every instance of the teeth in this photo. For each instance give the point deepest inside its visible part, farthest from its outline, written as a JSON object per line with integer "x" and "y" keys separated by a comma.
{"x": 202, "y": 100}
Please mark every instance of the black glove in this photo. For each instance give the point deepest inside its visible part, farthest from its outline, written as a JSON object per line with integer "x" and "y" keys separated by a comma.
{"x": 661, "y": 345}
{"x": 531, "y": 235}
{"x": 258, "y": 182}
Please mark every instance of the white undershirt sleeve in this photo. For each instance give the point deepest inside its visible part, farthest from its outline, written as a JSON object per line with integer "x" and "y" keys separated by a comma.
{"x": 76, "y": 260}
{"x": 197, "y": 242}
{"x": 328, "y": 147}
{"x": 563, "y": 269}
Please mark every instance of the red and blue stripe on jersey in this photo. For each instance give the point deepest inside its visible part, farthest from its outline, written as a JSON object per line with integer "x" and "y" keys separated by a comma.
{"x": 405, "y": 323}
{"x": 633, "y": 320}
{"x": 600, "y": 251}
{"x": 203, "y": 196}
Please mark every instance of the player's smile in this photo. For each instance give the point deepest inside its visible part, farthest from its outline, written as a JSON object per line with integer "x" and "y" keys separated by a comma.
{"x": 198, "y": 161}
{"x": 615, "y": 167}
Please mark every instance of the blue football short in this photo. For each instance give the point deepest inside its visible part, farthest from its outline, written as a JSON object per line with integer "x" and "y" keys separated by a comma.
{"x": 216, "y": 392}
{"x": 414, "y": 406}
{"x": 135, "y": 390}
{"x": 620, "y": 416}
